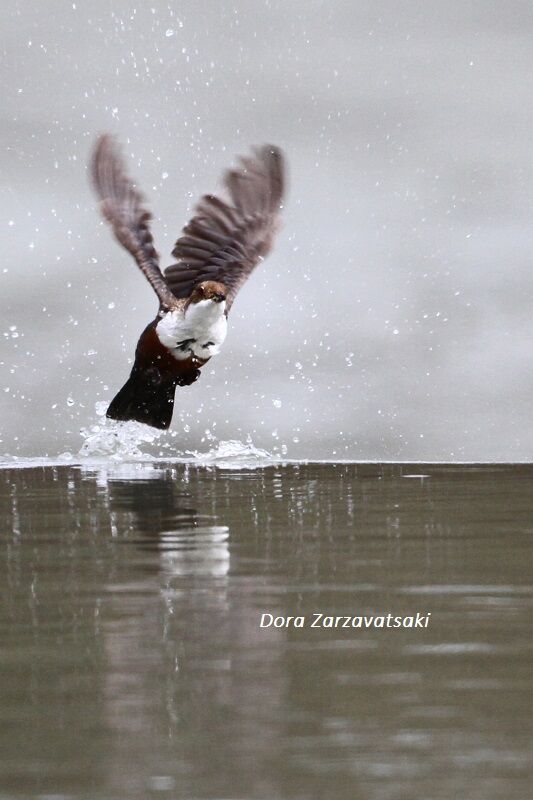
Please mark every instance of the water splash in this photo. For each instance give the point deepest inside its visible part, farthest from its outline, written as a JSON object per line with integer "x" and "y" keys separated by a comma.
{"x": 123, "y": 441}
{"x": 233, "y": 454}
{"x": 118, "y": 440}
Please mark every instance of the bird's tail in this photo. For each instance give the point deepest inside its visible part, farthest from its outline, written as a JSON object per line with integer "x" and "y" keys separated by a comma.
{"x": 145, "y": 397}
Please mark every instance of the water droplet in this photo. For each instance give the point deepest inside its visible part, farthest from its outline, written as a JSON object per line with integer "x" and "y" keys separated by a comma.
{"x": 100, "y": 408}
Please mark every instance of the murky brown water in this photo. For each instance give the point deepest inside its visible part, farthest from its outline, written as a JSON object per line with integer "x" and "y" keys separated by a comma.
{"x": 132, "y": 664}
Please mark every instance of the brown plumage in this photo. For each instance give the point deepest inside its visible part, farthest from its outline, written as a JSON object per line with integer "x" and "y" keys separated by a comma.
{"x": 217, "y": 252}
{"x": 122, "y": 206}
{"x": 225, "y": 241}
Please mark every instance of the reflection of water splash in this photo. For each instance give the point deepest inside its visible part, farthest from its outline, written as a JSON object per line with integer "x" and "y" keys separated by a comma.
{"x": 199, "y": 551}
{"x": 235, "y": 455}
{"x": 104, "y": 472}
{"x": 117, "y": 439}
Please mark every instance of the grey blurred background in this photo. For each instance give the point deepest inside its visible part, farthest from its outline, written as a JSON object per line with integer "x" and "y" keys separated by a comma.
{"x": 393, "y": 320}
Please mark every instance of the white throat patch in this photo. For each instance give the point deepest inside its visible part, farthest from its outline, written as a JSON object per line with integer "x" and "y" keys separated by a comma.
{"x": 200, "y": 331}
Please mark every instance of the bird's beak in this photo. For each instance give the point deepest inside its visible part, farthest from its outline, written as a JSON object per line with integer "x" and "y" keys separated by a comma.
{"x": 218, "y": 298}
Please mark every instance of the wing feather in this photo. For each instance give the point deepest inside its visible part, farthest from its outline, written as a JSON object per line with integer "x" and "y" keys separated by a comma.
{"x": 122, "y": 205}
{"x": 226, "y": 239}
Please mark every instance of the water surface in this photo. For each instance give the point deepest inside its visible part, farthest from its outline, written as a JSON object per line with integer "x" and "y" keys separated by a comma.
{"x": 133, "y": 665}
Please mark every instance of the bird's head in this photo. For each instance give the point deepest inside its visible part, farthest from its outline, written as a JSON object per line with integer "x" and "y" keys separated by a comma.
{"x": 209, "y": 290}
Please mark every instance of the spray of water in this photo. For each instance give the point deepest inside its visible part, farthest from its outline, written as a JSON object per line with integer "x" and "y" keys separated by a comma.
{"x": 119, "y": 440}
{"x": 133, "y": 441}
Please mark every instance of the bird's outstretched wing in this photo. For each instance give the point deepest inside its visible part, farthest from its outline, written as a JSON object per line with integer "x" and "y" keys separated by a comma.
{"x": 122, "y": 204}
{"x": 225, "y": 241}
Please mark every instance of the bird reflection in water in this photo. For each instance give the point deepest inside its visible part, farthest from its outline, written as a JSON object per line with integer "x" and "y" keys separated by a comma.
{"x": 152, "y": 509}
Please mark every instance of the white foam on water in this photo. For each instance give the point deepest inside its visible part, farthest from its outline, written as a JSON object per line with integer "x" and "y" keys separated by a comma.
{"x": 233, "y": 454}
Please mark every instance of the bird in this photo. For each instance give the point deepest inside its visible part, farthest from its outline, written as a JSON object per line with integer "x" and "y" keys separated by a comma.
{"x": 227, "y": 237}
